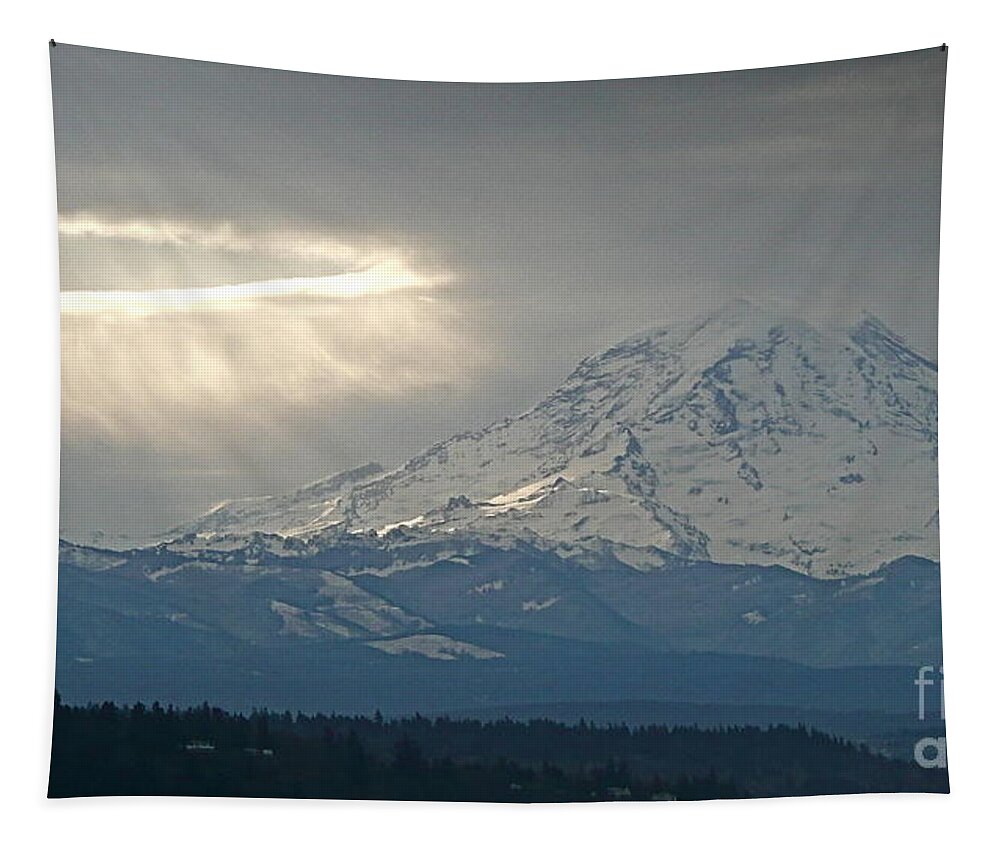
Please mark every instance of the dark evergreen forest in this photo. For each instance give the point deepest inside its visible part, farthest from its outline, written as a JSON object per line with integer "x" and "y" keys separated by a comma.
{"x": 105, "y": 749}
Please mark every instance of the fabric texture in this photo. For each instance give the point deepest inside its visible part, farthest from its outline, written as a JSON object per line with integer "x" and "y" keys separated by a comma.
{"x": 569, "y": 441}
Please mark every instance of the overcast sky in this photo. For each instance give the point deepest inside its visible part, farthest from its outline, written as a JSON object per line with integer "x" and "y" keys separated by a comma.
{"x": 445, "y": 252}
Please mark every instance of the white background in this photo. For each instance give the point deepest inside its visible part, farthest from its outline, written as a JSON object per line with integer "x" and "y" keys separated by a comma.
{"x": 505, "y": 40}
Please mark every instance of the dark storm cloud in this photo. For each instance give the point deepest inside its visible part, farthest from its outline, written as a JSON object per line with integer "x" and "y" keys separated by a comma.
{"x": 569, "y": 214}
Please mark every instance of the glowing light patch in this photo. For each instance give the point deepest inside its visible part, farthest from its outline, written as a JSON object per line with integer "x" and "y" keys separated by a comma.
{"x": 380, "y": 278}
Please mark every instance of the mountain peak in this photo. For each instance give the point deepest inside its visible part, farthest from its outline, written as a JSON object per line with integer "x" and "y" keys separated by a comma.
{"x": 741, "y": 436}
{"x": 876, "y": 338}
{"x": 716, "y": 331}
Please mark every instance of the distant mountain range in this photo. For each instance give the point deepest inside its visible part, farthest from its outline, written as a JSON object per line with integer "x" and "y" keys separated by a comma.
{"x": 739, "y": 510}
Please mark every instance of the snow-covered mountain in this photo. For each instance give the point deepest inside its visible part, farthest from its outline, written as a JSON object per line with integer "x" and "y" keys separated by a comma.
{"x": 743, "y": 437}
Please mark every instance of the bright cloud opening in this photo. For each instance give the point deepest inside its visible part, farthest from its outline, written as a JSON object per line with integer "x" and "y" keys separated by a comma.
{"x": 223, "y": 368}
{"x": 383, "y": 277}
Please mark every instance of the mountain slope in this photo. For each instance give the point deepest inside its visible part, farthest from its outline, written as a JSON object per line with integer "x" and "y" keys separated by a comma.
{"x": 743, "y": 437}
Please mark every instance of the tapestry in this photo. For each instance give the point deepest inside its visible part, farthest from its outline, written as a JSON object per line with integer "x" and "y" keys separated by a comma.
{"x": 502, "y": 442}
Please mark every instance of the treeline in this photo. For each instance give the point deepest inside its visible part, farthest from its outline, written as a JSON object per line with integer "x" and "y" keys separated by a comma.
{"x": 138, "y": 750}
